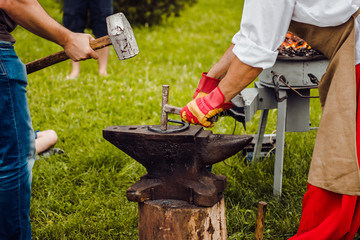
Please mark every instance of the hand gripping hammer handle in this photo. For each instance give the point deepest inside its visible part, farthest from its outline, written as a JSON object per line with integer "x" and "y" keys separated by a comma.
{"x": 61, "y": 56}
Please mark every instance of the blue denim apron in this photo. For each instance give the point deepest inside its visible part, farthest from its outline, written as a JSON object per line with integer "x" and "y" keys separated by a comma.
{"x": 17, "y": 147}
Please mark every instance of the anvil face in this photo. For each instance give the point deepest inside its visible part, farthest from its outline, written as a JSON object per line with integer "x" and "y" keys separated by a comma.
{"x": 176, "y": 162}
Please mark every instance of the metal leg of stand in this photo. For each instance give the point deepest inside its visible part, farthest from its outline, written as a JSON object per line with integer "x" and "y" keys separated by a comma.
{"x": 280, "y": 141}
{"x": 259, "y": 137}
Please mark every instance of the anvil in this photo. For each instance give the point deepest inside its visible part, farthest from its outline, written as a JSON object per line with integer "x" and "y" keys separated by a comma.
{"x": 176, "y": 162}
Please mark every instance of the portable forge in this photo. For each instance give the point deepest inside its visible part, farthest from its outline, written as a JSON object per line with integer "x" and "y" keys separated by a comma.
{"x": 286, "y": 87}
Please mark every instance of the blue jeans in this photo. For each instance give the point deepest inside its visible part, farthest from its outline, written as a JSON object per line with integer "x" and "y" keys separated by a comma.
{"x": 17, "y": 147}
{"x": 75, "y": 15}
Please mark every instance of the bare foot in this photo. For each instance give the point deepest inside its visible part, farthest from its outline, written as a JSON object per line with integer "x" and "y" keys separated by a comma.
{"x": 75, "y": 70}
{"x": 103, "y": 73}
{"x": 72, "y": 76}
{"x": 103, "y": 61}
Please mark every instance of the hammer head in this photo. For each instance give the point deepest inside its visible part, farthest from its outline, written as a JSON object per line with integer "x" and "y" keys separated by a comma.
{"x": 121, "y": 36}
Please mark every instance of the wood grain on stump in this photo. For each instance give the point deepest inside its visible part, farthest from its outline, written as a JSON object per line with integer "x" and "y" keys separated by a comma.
{"x": 179, "y": 220}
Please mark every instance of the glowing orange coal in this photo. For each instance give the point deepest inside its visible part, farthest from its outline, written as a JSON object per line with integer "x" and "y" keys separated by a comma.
{"x": 293, "y": 41}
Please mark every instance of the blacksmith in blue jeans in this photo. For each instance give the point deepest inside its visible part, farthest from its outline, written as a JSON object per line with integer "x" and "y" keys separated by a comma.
{"x": 17, "y": 141}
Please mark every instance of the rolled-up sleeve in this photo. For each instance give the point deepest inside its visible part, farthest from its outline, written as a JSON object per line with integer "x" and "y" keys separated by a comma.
{"x": 263, "y": 28}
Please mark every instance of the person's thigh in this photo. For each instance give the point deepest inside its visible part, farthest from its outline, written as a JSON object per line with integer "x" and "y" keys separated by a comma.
{"x": 17, "y": 148}
{"x": 75, "y": 16}
{"x": 99, "y": 10}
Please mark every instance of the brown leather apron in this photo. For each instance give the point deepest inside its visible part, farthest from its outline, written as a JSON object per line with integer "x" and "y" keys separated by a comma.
{"x": 334, "y": 165}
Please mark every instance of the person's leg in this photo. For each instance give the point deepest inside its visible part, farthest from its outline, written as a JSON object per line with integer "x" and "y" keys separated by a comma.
{"x": 99, "y": 10}
{"x": 75, "y": 70}
{"x": 75, "y": 15}
{"x": 328, "y": 215}
{"x": 103, "y": 61}
{"x": 45, "y": 139}
{"x": 17, "y": 148}
{"x": 75, "y": 18}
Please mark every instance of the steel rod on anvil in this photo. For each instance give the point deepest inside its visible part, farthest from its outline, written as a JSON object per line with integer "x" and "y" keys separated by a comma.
{"x": 164, "y": 102}
{"x": 172, "y": 109}
{"x": 166, "y": 108}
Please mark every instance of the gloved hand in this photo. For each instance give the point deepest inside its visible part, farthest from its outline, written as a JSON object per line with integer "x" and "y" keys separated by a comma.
{"x": 199, "y": 111}
{"x": 206, "y": 85}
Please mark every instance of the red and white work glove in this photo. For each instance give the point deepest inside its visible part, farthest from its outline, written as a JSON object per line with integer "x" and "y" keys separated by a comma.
{"x": 206, "y": 85}
{"x": 200, "y": 110}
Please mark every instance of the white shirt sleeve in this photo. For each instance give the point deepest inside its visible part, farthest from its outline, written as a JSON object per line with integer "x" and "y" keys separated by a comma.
{"x": 263, "y": 28}
{"x": 357, "y": 40}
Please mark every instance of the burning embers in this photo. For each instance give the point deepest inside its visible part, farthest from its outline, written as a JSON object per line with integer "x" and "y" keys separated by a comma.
{"x": 295, "y": 46}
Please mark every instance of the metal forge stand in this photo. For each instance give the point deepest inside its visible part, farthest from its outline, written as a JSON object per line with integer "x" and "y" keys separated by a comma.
{"x": 285, "y": 87}
{"x": 178, "y": 197}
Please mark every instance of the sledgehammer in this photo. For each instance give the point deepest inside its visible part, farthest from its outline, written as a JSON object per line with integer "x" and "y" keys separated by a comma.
{"x": 120, "y": 35}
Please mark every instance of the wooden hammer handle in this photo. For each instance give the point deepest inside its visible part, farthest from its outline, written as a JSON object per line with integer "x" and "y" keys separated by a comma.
{"x": 61, "y": 56}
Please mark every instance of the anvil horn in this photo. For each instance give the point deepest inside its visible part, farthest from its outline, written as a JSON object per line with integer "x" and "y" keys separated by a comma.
{"x": 219, "y": 147}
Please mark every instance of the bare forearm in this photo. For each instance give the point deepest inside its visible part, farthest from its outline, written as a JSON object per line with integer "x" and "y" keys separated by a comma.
{"x": 238, "y": 77}
{"x": 220, "y": 69}
{"x": 30, "y": 15}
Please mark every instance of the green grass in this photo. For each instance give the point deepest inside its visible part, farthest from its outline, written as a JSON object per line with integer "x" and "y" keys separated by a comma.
{"x": 83, "y": 195}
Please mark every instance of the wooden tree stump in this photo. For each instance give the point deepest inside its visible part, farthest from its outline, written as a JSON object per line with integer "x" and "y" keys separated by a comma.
{"x": 179, "y": 220}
